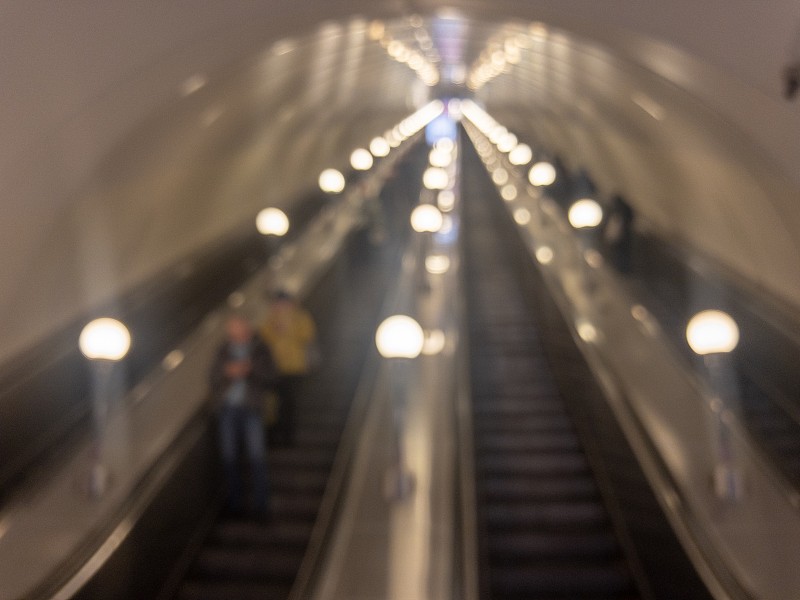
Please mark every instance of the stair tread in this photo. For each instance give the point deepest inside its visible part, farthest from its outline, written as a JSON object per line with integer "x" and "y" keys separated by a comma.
{"x": 227, "y": 590}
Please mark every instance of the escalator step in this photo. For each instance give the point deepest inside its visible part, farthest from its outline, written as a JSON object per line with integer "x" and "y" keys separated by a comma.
{"x": 248, "y": 564}
{"x": 245, "y": 533}
{"x": 514, "y": 489}
{"x": 296, "y": 506}
{"x": 575, "y": 582}
{"x": 545, "y": 515}
{"x": 301, "y": 457}
{"x": 515, "y": 442}
{"x": 539, "y": 547}
{"x": 305, "y": 480}
{"x": 515, "y": 405}
{"x": 545, "y": 532}
{"x": 513, "y": 424}
{"x": 529, "y": 466}
{"x": 195, "y": 590}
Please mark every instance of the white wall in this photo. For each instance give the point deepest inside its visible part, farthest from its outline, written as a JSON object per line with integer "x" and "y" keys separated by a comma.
{"x": 107, "y": 174}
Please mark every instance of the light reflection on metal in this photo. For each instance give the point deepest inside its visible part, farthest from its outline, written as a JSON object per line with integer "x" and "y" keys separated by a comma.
{"x": 172, "y": 360}
{"x": 236, "y": 299}
{"x": 446, "y": 200}
{"x": 437, "y": 264}
{"x": 509, "y": 192}
{"x": 193, "y": 84}
{"x": 648, "y": 105}
{"x": 447, "y": 225}
{"x": 545, "y": 255}
{"x": 435, "y": 341}
{"x": 593, "y": 258}
{"x": 500, "y": 176}
{"x": 586, "y": 330}
{"x": 522, "y": 216}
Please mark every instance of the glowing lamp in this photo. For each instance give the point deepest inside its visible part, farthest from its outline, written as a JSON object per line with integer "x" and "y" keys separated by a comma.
{"x": 435, "y": 178}
{"x": 361, "y": 159}
{"x": 379, "y": 147}
{"x": 426, "y": 217}
{"x": 440, "y": 158}
{"x": 331, "y": 181}
{"x": 272, "y": 221}
{"x": 521, "y": 155}
{"x": 105, "y": 339}
{"x": 585, "y": 213}
{"x": 507, "y": 143}
{"x": 445, "y": 144}
{"x": 542, "y": 173}
{"x": 399, "y": 336}
{"x": 712, "y": 332}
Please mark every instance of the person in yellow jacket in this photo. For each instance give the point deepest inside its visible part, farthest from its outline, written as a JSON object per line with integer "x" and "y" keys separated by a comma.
{"x": 290, "y": 333}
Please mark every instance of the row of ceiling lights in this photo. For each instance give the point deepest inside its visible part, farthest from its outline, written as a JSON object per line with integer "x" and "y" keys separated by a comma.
{"x": 708, "y": 332}
{"x": 274, "y": 222}
{"x": 421, "y": 60}
{"x": 502, "y": 52}
{"x": 542, "y": 172}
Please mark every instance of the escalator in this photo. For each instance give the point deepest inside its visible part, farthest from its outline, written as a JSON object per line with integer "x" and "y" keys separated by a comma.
{"x": 248, "y": 559}
{"x": 243, "y": 558}
{"x": 545, "y": 530}
{"x": 551, "y": 523}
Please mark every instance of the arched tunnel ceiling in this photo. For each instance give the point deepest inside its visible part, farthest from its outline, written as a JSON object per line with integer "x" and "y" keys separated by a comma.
{"x": 137, "y": 133}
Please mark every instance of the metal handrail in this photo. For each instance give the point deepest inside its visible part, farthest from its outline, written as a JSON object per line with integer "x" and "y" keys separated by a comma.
{"x": 311, "y": 564}
{"x": 467, "y": 493}
{"x": 335, "y": 488}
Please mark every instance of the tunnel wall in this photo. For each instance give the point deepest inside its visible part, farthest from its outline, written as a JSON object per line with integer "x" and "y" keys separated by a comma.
{"x": 136, "y": 134}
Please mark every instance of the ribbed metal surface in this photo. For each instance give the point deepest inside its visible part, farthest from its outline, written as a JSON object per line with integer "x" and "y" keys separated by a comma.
{"x": 545, "y": 532}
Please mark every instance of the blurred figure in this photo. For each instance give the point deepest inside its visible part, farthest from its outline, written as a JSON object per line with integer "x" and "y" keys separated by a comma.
{"x": 618, "y": 233}
{"x": 242, "y": 373}
{"x": 290, "y": 333}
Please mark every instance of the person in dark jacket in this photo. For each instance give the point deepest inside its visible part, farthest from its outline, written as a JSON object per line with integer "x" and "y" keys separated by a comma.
{"x": 618, "y": 233}
{"x": 242, "y": 373}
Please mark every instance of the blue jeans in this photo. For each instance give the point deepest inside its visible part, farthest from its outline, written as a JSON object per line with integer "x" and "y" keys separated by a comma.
{"x": 239, "y": 424}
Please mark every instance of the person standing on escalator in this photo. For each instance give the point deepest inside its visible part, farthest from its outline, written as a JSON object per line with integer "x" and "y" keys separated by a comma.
{"x": 290, "y": 333}
{"x": 242, "y": 373}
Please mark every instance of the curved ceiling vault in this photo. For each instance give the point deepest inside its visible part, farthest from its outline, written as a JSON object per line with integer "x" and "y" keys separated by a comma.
{"x": 135, "y": 135}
